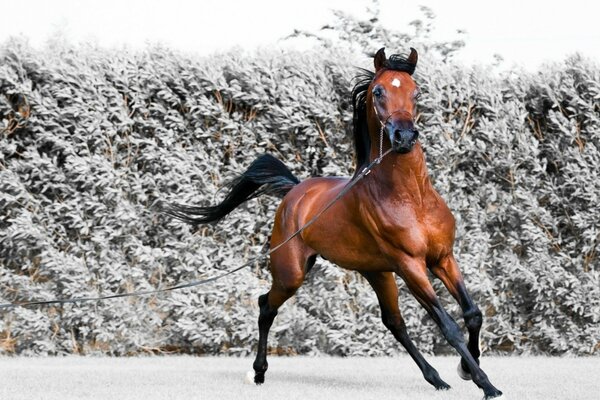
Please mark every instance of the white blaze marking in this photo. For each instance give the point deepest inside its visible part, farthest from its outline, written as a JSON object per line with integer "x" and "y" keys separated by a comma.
{"x": 396, "y": 82}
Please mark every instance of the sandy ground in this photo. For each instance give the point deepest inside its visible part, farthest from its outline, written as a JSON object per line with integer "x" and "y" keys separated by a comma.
{"x": 149, "y": 378}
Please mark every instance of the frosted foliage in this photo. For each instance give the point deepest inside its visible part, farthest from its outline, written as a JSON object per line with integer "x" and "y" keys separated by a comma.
{"x": 93, "y": 141}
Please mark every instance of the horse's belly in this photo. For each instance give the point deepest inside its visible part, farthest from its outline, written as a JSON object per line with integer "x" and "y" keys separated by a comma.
{"x": 361, "y": 261}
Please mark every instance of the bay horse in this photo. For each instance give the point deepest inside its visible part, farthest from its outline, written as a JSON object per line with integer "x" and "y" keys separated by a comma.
{"x": 391, "y": 222}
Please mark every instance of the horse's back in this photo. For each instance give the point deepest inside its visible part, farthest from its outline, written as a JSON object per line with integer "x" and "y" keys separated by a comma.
{"x": 316, "y": 190}
{"x": 308, "y": 198}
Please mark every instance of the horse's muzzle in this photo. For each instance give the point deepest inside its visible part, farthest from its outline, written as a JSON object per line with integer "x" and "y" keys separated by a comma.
{"x": 403, "y": 140}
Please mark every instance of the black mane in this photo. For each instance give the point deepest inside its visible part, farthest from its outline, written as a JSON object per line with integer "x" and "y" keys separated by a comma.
{"x": 360, "y": 129}
{"x": 362, "y": 140}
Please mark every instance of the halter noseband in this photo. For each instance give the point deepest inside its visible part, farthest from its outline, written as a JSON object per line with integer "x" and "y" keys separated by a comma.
{"x": 383, "y": 125}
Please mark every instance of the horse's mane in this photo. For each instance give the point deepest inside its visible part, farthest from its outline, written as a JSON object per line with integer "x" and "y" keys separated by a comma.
{"x": 362, "y": 140}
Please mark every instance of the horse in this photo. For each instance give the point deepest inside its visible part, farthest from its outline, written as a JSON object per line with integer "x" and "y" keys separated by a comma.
{"x": 391, "y": 222}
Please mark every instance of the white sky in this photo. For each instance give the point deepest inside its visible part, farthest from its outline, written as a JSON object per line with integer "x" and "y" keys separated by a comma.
{"x": 523, "y": 32}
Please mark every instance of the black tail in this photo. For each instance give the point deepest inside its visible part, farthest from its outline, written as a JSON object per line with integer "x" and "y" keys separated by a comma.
{"x": 266, "y": 175}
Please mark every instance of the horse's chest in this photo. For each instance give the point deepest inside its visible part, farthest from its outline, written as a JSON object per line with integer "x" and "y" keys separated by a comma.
{"x": 415, "y": 231}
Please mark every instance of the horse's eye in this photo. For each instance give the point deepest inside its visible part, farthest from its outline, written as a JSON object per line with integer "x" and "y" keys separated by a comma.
{"x": 378, "y": 91}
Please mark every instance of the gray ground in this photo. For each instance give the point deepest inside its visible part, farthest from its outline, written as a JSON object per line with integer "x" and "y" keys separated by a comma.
{"x": 150, "y": 378}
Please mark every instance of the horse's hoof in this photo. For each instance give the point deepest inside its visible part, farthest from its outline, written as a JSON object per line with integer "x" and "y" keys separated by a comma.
{"x": 462, "y": 373}
{"x": 259, "y": 378}
{"x": 497, "y": 395}
{"x": 249, "y": 378}
{"x": 433, "y": 378}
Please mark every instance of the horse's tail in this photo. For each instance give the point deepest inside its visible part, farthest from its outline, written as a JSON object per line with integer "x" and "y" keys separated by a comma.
{"x": 266, "y": 175}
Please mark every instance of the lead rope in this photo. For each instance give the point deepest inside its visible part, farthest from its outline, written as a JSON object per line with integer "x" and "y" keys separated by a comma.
{"x": 345, "y": 190}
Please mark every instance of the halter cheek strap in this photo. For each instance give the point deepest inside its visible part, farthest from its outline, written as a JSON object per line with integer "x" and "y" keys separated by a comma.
{"x": 383, "y": 126}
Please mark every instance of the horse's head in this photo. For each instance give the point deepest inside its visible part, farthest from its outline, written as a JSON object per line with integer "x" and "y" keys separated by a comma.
{"x": 391, "y": 99}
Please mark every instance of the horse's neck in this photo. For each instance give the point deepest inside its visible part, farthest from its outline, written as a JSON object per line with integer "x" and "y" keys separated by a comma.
{"x": 404, "y": 174}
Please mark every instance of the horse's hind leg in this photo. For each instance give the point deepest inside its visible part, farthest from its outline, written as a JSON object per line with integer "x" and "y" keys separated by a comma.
{"x": 386, "y": 289}
{"x": 288, "y": 268}
{"x": 448, "y": 272}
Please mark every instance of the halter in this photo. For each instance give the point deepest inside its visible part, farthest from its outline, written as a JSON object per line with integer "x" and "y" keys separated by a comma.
{"x": 383, "y": 126}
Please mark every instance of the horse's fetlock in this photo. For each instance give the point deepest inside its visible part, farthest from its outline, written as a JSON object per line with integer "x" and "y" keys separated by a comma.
{"x": 260, "y": 367}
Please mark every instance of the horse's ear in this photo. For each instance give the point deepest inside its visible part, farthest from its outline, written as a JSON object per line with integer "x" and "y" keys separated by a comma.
{"x": 413, "y": 57}
{"x": 379, "y": 59}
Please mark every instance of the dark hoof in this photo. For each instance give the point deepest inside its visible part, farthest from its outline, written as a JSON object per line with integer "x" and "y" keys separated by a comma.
{"x": 495, "y": 394}
{"x": 259, "y": 378}
{"x": 462, "y": 373}
{"x": 436, "y": 381}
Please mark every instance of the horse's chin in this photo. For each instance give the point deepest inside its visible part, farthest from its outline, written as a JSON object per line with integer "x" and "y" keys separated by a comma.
{"x": 403, "y": 150}
{"x": 403, "y": 147}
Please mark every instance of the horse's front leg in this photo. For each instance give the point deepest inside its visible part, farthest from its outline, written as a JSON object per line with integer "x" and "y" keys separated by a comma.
{"x": 384, "y": 285}
{"x": 414, "y": 272}
{"x": 448, "y": 272}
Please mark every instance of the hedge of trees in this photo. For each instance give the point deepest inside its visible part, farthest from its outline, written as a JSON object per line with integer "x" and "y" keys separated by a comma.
{"x": 93, "y": 141}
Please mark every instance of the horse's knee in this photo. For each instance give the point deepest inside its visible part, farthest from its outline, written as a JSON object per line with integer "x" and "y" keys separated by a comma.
{"x": 473, "y": 319}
